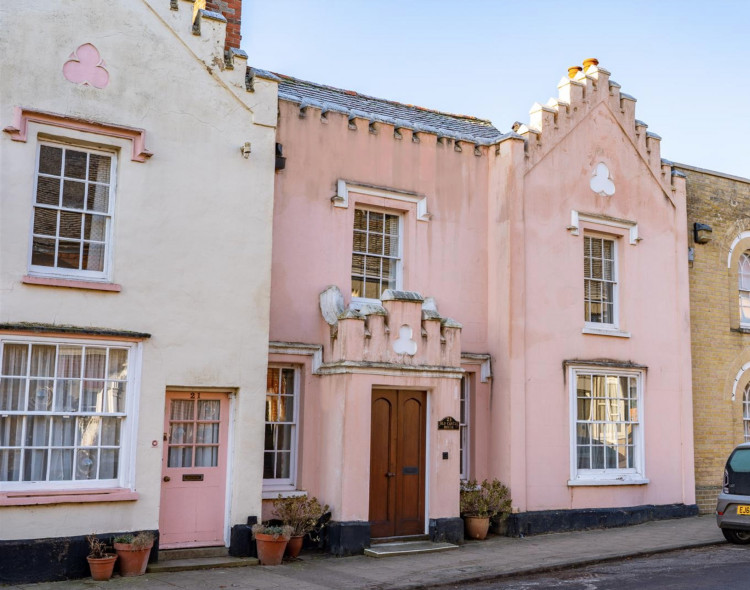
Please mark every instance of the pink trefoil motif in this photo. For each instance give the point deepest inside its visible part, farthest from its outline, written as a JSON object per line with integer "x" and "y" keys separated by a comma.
{"x": 86, "y": 66}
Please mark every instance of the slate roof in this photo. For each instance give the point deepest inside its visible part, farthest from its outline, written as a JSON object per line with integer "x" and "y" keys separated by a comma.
{"x": 327, "y": 98}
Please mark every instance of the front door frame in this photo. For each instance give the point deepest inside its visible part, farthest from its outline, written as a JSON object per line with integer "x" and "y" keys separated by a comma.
{"x": 426, "y": 452}
{"x": 231, "y": 415}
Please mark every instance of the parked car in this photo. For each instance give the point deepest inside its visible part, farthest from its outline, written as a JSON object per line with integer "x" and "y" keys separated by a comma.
{"x": 733, "y": 506}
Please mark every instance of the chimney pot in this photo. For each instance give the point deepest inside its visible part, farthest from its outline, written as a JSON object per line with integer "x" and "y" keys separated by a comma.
{"x": 591, "y": 61}
{"x": 573, "y": 71}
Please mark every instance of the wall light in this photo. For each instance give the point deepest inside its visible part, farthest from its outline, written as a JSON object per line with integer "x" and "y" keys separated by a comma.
{"x": 701, "y": 233}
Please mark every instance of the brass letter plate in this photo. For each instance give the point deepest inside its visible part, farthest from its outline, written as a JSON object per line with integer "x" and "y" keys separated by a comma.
{"x": 192, "y": 477}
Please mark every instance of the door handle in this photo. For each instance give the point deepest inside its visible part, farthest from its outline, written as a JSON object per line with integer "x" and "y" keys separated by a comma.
{"x": 167, "y": 478}
{"x": 390, "y": 474}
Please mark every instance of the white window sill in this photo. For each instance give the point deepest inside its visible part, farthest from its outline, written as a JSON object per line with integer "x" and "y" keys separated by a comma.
{"x": 274, "y": 494}
{"x": 71, "y": 283}
{"x": 605, "y": 332}
{"x": 38, "y": 497}
{"x": 607, "y": 482}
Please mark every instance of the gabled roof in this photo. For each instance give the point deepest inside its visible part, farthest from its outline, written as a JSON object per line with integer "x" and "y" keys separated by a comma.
{"x": 354, "y": 104}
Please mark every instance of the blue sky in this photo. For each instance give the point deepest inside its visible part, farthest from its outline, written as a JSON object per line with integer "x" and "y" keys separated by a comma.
{"x": 687, "y": 62}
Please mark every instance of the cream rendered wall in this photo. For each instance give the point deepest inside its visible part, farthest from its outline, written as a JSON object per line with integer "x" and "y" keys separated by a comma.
{"x": 192, "y": 227}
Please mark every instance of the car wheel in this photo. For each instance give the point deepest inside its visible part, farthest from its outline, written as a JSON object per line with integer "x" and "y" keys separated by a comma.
{"x": 735, "y": 536}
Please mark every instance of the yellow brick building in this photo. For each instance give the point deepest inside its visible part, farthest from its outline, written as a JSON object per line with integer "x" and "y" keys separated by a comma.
{"x": 719, "y": 285}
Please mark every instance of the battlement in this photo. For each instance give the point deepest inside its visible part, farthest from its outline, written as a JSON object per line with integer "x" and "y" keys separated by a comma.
{"x": 581, "y": 92}
{"x": 403, "y": 330}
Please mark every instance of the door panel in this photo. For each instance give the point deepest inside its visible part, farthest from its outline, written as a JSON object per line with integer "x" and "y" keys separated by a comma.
{"x": 397, "y": 463}
{"x": 194, "y": 469}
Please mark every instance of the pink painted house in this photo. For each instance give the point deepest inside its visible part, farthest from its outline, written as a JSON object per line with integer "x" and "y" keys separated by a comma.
{"x": 450, "y": 302}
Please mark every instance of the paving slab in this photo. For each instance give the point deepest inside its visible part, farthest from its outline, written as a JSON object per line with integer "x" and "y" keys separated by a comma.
{"x": 475, "y": 561}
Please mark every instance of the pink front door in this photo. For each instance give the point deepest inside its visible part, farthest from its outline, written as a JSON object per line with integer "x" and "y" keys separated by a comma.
{"x": 194, "y": 469}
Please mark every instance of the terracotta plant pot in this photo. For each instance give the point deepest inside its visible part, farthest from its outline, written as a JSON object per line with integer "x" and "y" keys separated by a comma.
{"x": 270, "y": 550}
{"x": 476, "y": 527}
{"x": 133, "y": 562}
{"x": 295, "y": 545}
{"x": 102, "y": 567}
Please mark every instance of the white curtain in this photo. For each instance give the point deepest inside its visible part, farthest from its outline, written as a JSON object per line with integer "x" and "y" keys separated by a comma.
{"x": 181, "y": 433}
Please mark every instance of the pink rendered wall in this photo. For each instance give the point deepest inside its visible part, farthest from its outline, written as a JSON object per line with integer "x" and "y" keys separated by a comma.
{"x": 444, "y": 258}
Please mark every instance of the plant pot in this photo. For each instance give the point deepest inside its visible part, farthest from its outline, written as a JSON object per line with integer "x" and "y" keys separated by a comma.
{"x": 270, "y": 550}
{"x": 476, "y": 527}
{"x": 102, "y": 567}
{"x": 133, "y": 562}
{"x": 295, "y": 545}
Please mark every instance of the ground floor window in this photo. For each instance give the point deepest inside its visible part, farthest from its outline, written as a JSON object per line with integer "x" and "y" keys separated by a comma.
{"x": 746, "y": 412}
{"x": 280, "y": 453}
{"x": 607, "y": 441}
{"x": 64, "y": 412}
{"x": 464, "y": 427}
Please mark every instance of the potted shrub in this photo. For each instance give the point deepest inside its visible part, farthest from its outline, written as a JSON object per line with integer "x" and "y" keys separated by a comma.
{"x": 133, "y": 551}
{"x": 304, "y": 515}
{"x": 100, "y": 561}
{"x": 480, "y": 502}
{"x": 271, "y": 542}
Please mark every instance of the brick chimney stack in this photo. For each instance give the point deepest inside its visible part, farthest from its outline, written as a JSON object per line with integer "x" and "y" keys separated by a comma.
{"x": 232, "y": 11}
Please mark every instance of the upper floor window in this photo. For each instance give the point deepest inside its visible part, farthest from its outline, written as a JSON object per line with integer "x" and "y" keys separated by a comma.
{"x": 600, "y": 280}
{"x": 744, "y": 287}
{"x": 63, "y": 412}
{"x": 73, "y": 208}
{"x": 280, "y": 453}
{"x": 376, "y": 253}
{"x": 464, "y": 427}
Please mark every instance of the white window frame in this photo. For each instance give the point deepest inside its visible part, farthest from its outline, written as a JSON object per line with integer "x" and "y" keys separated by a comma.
{"x": 617, "y": 476}
{"x": 613, "y": 326}
{"x": 744, "y": 294}
{"x": 288, "y": 483}
{"x": 105, "y": 275}
{"x": 464, "y": 428}
{"x": 129, "y": 424}
{"x": 746, "y": 412}
{"x": 360, "y": 301}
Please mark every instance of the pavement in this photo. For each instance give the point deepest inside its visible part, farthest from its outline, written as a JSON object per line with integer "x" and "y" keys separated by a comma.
{"x": 475, "y": 561}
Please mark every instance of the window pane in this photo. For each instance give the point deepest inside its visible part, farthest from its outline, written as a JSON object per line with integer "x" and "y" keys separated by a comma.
{"x": 71, "y": 224}
{"x": 287, "y": 381}
{"x": 180, "y": 457}
{"x": 268, "y": 463}
{"x": 10, "y": 431}
{"x": 75, "y": 164}
{"x": 208, "y": 409}
{"x": 375, "y": 244}
{"x": 283, "y": 437}
{"x": 50, "y": 160}
{"x": 181, "y": 433}
{"x": 37, "y": 431}
{"x": 181, "y": 409}
{"x": 269, "y": 438}
{"x": 391, "y": 225}
{"x": 40, "y": 395}
{"x": 118, "y": 363}
{"x": 99, "y": 168}
{"x": 358, "y": 287}
{"x": 35, "y": 466}
{"x": 12, "y": 393}
{"x": 93, "y": 396}
{"x": 10, "y": 465}
{"x": 95, "y": 363}
{"x": 14, "y": 359}
{"x": 206, "y": 456}
{"x": 95, "y": 227}
{"x": 358, "y": 264}
{"x": 360, "y": 219}
{"x": 68, "y": 395}
{"x": 283, "y": 465}
{"x": 114, "y": 398}
{"x": 207, "y": 433}
{"x": 63, "y": 432}
{"x": 110, "y": 432}
{"x": 61, "y": 465}
{"x": 375, "y": 222}
{"x": 48, "y": 191}
{"x": 73, "y": 194}
{"x": 86, "y": 463}
{"x": 360, "y": 241}
{"x": 43, "y": 252}
{"x": 87, "y": 433}
{"x": 372, "y": 288}
{"x": 108, "y": 464}
{"x": 45, "y": 221}
{"x": 69, "y": 255}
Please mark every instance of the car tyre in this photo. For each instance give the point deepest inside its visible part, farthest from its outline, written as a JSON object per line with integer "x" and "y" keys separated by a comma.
{"x": 737, "y": 537}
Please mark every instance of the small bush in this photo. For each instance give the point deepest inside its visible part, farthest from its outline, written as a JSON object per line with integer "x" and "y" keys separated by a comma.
{"x": 301, "y": 513}
{"x": 284, "y": 531}
{"x": 486, "y": 500}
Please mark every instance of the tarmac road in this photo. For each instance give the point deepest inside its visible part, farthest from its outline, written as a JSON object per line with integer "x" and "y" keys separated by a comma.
{"x": 721, "y": 567}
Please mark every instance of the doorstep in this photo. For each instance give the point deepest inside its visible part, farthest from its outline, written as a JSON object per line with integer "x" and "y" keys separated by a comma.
{"x": 198, "y": 558}
{"x": 407, "y": 548}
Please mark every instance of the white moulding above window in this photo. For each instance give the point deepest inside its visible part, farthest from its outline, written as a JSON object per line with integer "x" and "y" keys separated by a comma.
{"x": 576, "y": 217}
{"x": 341, "y": 198}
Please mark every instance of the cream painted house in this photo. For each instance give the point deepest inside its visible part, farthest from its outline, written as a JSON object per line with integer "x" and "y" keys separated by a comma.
{"x": 136, "y": 181}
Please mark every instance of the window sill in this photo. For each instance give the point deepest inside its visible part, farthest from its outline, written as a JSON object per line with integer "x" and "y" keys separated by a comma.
{"x": 605, "y": 332}
{"x": 274, "y": 494}
{"x": 71, "y": 284}
{"x": 741, "y": 329}
{"x": 607, "y": 482}
{"x": 34, "y": 498}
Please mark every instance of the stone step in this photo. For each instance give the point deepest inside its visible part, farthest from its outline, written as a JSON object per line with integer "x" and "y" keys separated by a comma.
{"x": 192, "y": 553}
{"x": 408, "y": 548}
{"x": 406, "y": 539}
{"x": 200, "y": 563}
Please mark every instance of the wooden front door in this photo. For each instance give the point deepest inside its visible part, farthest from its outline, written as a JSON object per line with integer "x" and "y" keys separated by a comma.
{"x": 194, "y": 469}
{"x": 397, "y": 463}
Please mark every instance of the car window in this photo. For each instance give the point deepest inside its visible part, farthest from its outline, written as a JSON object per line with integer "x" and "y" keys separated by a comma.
{"x": 740, "y": 461}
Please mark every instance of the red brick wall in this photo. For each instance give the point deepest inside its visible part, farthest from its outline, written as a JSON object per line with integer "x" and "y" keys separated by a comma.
{"x": 232, "y": 11}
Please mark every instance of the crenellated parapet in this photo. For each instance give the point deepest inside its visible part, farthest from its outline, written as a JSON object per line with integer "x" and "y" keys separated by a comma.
{"x": 580, "y": 93}
{"x": 402, "y": 330}
{"x": 204, "y": 32}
